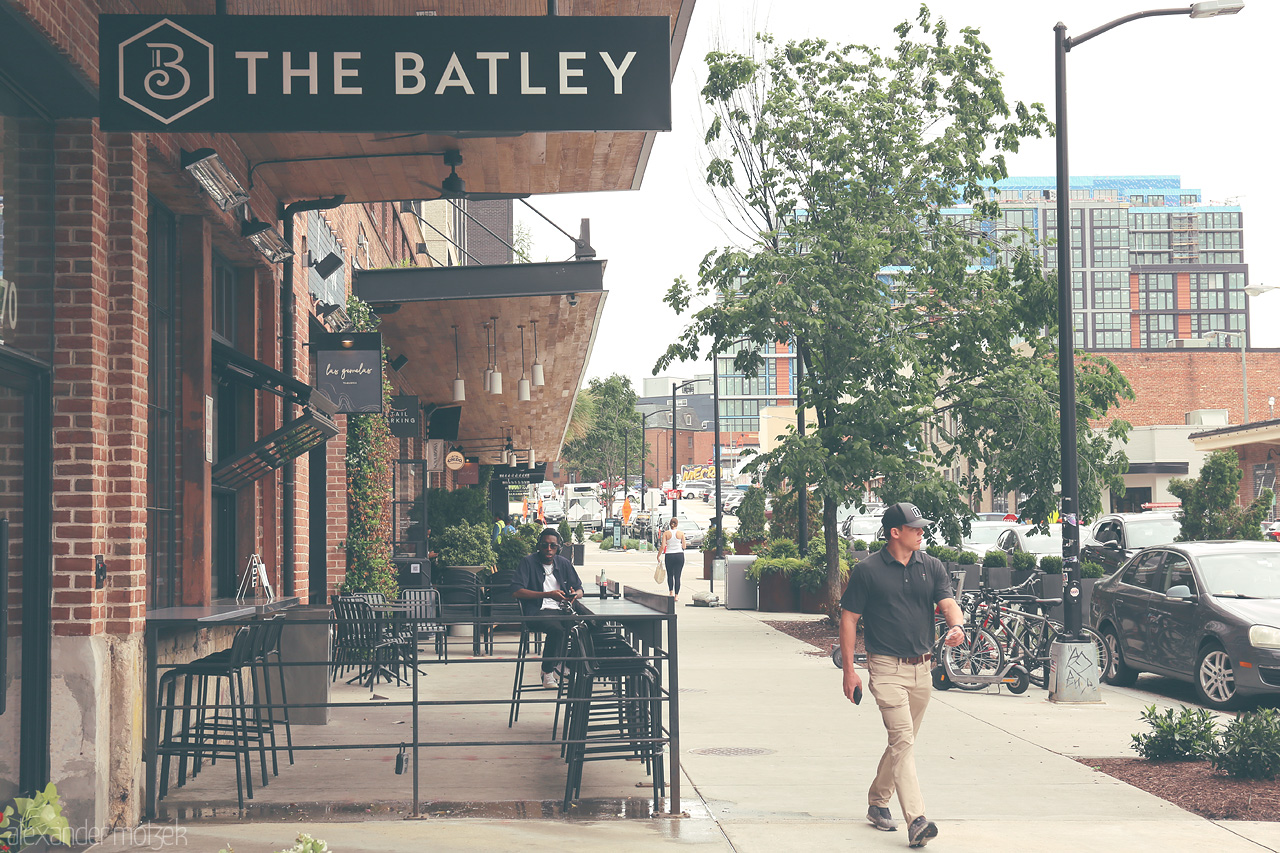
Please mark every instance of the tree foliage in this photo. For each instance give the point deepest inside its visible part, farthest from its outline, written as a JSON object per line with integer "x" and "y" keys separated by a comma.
{"x": 925, "y": 338}
{"x": 599, "y": 453}
{"x": 1211, "y": 502}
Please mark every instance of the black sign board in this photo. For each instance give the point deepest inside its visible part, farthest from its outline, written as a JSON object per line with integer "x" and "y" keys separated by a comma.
{"x": 402, "y": 417}
{"x": 520, "y": 475}
{"x": 351, "y": 376}
{"x": 277, "y": 73}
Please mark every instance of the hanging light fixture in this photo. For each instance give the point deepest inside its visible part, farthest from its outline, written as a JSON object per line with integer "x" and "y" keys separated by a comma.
{"x": 532, "y": 463}
{"x": 522, "y": 387}
{"x": 538, "y": 379}
{"x": 459, "y": 384}
{"x": 488, "y": 357}
{"x": 495, "y": 380}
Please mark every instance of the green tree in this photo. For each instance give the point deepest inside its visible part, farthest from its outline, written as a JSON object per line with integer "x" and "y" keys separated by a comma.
{"x": 615, "y": 428}
{"x": 836, "y": 163}
{"x": 1211, "y": 502}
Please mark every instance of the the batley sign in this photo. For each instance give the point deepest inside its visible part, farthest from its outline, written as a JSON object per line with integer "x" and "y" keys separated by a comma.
{"x": 273, "y": 73}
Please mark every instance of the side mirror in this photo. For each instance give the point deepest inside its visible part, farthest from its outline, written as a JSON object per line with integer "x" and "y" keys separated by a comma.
{"x": 1113, "y": 545}
{"x": 1181, "y": 592}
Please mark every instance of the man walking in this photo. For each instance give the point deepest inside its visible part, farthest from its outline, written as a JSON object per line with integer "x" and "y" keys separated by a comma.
{"x": 894, "y": 592}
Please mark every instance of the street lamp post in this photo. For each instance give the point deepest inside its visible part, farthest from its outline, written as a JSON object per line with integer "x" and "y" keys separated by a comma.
{"x": 674, "y": 388}
{"x": 1081, "y": 689}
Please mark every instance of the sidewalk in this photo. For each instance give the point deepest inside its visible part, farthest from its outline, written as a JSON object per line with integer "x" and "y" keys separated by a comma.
{"x": 794, "y": 762}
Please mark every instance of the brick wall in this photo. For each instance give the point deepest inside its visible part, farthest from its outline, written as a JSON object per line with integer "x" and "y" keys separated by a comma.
{"x": 1170, "y": 383}
{"x": 498, "y": 217}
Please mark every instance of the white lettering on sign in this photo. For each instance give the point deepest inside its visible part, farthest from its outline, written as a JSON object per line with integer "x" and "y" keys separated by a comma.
{"x": 617, "y": 71}
{"x": 343, "y": 372}
{"x": 566, "y": 72}
{"x": 341, "y": 72}
{"x": 454, "y": 76}
{"x": 525, "y": 88}
{"x": 311, "y": 72}
{"x": 492, "y": 58}
{"x": 409, "y": 65}
{"x": 252, "y": 56}
{"x": 8, "y": 305}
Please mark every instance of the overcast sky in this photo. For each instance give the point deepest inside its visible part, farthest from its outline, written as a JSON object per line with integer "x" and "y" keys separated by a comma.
{"x": 1161, "y": 96}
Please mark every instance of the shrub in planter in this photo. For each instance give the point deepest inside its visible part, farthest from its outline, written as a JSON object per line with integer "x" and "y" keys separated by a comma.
{"x": 563, "y": 529}
{"x": 1090, "y": 569}
{"x": 1051, "y": 564}
{"x": 875, "y": 545}
{"x": 773, "y": 576}
{"x": 751, "y": 516}
{"x": 995, "y": 559}
{"x": 781, "y": 549}
{"x": 967, "y": 558}
{"x": 811, "y": 576}
{"x": 1250, "y": 746}
{"x": 942, "y": 552}
{"x": 1188, "y": 735}
{"x": 465, "y": 544}
{"x": 859, "y": 545}
{"x": 578, "y": 534}
{"x": 1022, "y": 561}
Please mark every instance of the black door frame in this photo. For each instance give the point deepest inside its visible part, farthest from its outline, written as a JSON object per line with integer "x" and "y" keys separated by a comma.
{"x": 31, "y": 378}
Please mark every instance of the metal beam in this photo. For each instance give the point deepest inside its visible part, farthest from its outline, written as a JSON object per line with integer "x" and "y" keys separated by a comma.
{"x": 424, "y": 284}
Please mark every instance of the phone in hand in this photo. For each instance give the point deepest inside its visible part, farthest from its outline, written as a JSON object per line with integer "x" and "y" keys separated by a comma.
{"x": 857, "y": 695}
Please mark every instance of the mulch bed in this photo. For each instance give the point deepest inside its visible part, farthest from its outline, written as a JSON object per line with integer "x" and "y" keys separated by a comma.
{"x": 1190, "y": 785}
{"x": 1194, "y": 786}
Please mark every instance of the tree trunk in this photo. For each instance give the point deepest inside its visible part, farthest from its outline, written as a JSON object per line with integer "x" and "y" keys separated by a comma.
{"x": 832, "y": 536}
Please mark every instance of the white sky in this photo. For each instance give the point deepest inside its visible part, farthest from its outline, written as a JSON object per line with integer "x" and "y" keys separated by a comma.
{"x": 1195, "y": 98}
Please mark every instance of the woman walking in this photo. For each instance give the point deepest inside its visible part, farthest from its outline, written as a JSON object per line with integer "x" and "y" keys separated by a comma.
{"x": 673, "y": 546}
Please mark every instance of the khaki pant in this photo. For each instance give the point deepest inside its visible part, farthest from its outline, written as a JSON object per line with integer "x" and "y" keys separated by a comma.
{"x": 902, "y": 691}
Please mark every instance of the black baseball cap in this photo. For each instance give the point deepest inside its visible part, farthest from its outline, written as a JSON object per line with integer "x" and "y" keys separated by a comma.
{"x": 904, "y": 515}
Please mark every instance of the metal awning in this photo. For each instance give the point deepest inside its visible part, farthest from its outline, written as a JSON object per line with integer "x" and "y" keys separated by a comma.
{"x": 420, "y": 306}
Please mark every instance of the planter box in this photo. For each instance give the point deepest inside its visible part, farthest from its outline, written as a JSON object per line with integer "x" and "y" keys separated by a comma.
{"x": 579, "y": 554}
{"x": 1051, "y": 587}
{"x": 998, "y": 577}
{"x": 1020, "y": 576}
{"x": 707, "y": 557}
{"x": 748, "y": 547}
{"x": 777, "y": 595}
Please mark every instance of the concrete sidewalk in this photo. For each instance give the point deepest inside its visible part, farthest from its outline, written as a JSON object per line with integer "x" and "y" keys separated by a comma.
{"x": 774, "y": 758}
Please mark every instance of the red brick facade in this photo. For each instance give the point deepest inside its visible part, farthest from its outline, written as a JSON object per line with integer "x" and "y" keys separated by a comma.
{"x": 1170, "y": 383}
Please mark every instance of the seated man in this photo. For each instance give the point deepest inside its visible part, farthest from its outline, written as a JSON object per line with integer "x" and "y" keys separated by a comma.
{"x": 543, "y": 580}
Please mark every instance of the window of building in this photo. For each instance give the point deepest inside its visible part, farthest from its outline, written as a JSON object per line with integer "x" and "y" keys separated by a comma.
{"x": 1220, "y": 240}
{"x": 1155, "y": 201}
{"x": 1149, "y": 240}
{"x": 224, "y": 299}
{"x": 1155, "y": 331}
{"x": 1110, "y": 258}
{"x": 1188, "y": 199}
{"x": 1221, "y": 258}
{"x": 1080, "y": 327}
{"x": 1111, "y": 331}
{"x": 1137, "y": 199}
{"x": 164, "y": 582}
{"x": 999, "y": 501}
{"x": 1155, "y": 292}
{"x": 1110, "y": 290}
{"x": 1220, "y": 220}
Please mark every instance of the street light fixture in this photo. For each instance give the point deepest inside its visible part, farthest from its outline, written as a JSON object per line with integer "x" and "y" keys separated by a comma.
{"x": 1085, "y": 689}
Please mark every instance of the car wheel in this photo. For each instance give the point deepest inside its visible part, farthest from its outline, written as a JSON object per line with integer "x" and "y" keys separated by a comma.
{"x": 1117, "y": 672}
{"x": 1215, "y": 679}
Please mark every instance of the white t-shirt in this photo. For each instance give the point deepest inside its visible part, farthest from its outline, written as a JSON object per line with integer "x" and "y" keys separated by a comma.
{"x": 549, "y": 584}
{"x": 674, "y": 544}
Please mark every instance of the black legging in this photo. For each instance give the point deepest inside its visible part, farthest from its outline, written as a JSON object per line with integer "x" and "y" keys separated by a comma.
{"x": 675, "y": 565}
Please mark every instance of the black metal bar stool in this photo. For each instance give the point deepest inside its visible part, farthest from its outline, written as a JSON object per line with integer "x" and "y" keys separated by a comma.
{"x": 530, "y": 642}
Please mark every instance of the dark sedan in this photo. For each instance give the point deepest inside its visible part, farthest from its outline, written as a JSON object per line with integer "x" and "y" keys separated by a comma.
{"x": 1204, "y": 612}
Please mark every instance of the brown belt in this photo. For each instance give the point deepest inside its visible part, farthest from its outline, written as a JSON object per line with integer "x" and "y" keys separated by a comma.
{"x": 924, "y": 658}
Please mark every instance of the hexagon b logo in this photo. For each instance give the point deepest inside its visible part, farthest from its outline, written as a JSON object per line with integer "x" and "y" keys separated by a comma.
{"x": 166, "y": 71}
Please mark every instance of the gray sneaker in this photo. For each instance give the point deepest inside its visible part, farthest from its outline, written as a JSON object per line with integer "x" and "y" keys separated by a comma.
{"x": 880, "y": 818}
{"x": 920, "y": 831}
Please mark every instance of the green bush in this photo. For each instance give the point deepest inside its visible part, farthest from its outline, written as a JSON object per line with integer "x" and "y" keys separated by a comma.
{"x": 514, "y": 547}
{"x": 1051, "y": 564}
{"x": 859, "y": 545}
{"x": 1090, "y": 569}
{"x": 565, "y": 533}
{"x": 995, "y": 559}
{"x": 465, "y": 544}
{"x": 751, "y": 515}
{"x": 943, "y": 553}
{"x": 578, "y": 533}
{"x": 875, "y": 545}
{"x": 774, "y": 565}
{"x": 781, "y": 549}
{"x": 1250, "y": 746}
{"x": 813, "y": 573}
{"x": 1187, "y": 735}
{"x": 30, "y": 819}
{"x": 598, "y": 537}
{"x": 1022, "y": 561}
{"x": 967, "y": 558}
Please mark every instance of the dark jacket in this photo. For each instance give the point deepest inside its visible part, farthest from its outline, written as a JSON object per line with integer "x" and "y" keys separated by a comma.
{"x": 529, "y": 575}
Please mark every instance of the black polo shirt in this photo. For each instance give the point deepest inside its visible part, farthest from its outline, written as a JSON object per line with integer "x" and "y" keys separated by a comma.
{"x": 895, "y": 602}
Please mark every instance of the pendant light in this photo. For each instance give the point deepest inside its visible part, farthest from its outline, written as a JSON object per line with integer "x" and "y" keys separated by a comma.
{"x": 488, "y": 360}
{"x": 522, "y": 387}
{"x": 532, "y": 463}
{"x": 538, "y": 379}
{"x": 459, "y": 384}
{"x": 495, "y": 380}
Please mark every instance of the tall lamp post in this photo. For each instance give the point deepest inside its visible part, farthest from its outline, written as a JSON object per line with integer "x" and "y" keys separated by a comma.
{"x": 1082, "y": 689}
{"x": 675, "y": 388}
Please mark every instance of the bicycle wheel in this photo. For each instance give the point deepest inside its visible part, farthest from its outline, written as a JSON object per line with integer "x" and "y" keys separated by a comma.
{"x": 979, "y": 654}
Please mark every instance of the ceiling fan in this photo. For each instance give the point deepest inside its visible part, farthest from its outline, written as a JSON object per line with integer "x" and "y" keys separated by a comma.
{"x": 454, "y": 187}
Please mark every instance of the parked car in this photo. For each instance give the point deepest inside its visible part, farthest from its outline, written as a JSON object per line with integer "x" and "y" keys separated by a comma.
{"x": 982, "y": 536}
{"x": 1116, "y": 537}
{"x": 1271, "y": 531}
{"x": 731, "y": 501}
{"x": 640, "y": 523}
{"x": 694, "y": 490}
{"x": 861, "y": 527}
{"x": 693, "y": 532}
{"x": 553, "y": 511}
{"x": 1204, "y": 612}
{"x": 1029, "y": 539}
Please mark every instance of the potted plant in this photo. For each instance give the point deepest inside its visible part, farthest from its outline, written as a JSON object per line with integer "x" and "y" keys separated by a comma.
{"x": 968, "y": 560}
{"x": 34, "y": 823}
{"x": 751, "y": 525}
{"x": 1022, "y": 566}
{"x": 858, "y": 551}
{"x": 773, "y": 578}
{"x": 709, "y": 550}
{"x": 994, "y": 571}
{"x": 810, "y": 580}
{"x": 579, "y": 545}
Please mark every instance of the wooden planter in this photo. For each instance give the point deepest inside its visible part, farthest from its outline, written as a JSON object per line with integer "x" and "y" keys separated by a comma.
{"x": 747, "y": 547}
{"x": 579, "y": 554}
{"x": 707, "y": 558}
{"x": 777, "y": 595}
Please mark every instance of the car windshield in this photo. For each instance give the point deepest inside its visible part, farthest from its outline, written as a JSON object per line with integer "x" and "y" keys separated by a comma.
{"x": 865, "y": 526}
{"x": 1040, "y": 543}
{"x": 983, "y": 535}
{"x": 1250, "y": 574}
{"x": 1157, "y": 531}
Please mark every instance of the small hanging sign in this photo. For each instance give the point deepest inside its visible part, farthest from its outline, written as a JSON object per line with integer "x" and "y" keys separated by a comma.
{"x": 402, "y": 417}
